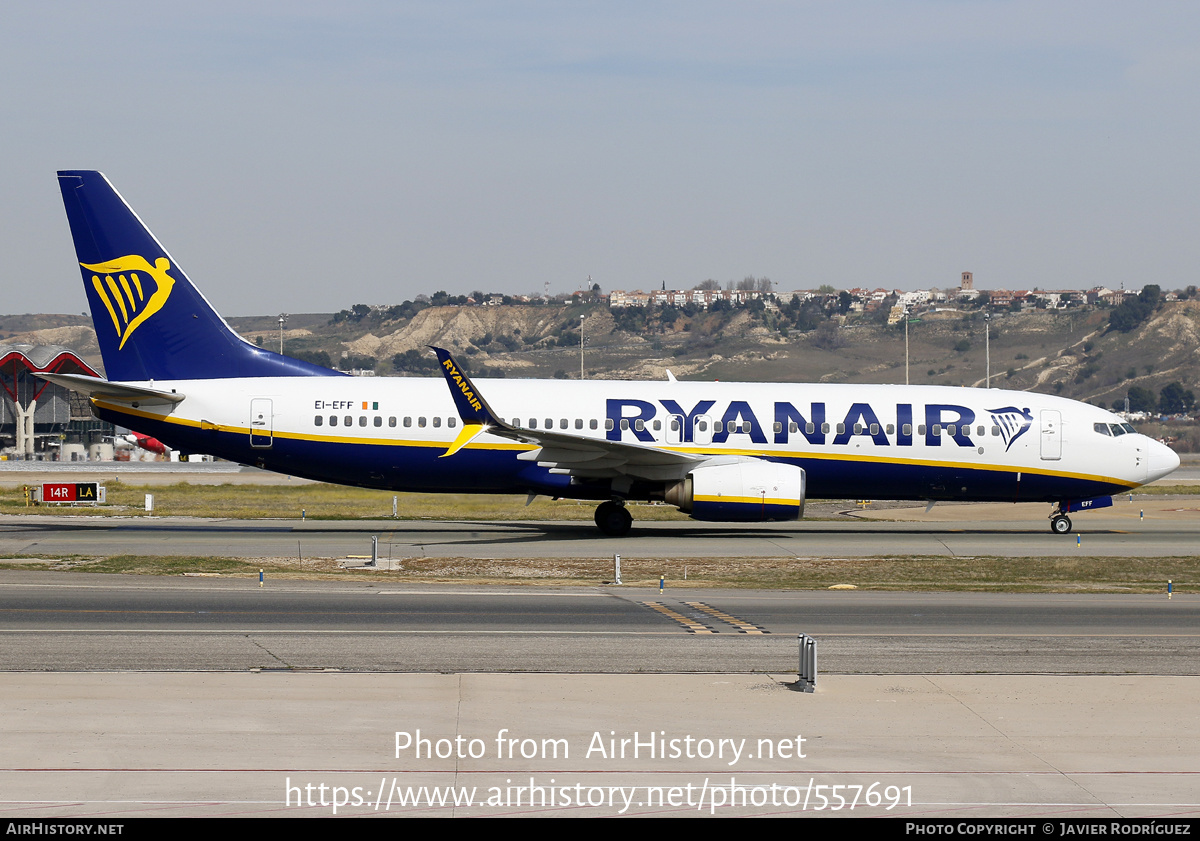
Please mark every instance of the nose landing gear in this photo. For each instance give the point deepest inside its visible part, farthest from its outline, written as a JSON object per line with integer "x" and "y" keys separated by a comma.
{"x": 1060, "y": 523}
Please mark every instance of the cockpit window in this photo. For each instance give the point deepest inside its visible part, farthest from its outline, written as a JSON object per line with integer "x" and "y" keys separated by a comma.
{"x": 1117, "y": 428}
{"x": 1102, "y": 428}
{"x": 1128, "y": 428}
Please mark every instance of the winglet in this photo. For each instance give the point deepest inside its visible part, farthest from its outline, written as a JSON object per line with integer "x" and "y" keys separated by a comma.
{"x": 477, "y": 416}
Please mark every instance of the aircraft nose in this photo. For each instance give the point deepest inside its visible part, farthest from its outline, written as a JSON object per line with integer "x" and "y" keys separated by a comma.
{"x": 1161, "y": 460}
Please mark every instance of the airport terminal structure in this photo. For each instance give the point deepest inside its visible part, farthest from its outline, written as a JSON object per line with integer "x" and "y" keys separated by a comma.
{"x": 40, "y": 420}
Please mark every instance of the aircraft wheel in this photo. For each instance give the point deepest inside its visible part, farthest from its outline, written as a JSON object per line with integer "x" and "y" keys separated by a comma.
{"x": 613, "y": 519}
{"x": 1061, "y": 524}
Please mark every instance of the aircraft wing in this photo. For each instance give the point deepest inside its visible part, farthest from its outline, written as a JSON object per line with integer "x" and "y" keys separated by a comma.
{"x": 562, "y": 452}
{"x": 114, "y": 392}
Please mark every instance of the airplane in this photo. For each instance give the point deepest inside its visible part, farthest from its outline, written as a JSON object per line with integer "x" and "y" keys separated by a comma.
{"x": 718, "y": 451}
{"x": 145, "y": 442}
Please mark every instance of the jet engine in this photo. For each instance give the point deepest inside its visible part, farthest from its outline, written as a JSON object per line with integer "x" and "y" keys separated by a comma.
{"x": 745, "y": 491}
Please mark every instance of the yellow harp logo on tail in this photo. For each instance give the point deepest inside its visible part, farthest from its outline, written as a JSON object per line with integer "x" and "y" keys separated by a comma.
{"x": 124, "y": 291}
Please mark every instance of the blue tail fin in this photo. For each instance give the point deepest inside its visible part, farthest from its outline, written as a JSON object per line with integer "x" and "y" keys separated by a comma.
{"x": 151, "y": 322}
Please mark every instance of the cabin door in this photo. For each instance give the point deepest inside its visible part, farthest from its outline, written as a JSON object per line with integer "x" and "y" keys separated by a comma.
{"x": 260, "y": 422}
{"x": 1051, "y": 435}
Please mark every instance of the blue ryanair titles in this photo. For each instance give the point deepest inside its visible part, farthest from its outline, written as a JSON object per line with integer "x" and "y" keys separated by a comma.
{"x": 936, "y": 422}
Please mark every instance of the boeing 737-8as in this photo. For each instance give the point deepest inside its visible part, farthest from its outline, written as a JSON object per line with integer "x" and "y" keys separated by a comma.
{"x": 719, "y": 451}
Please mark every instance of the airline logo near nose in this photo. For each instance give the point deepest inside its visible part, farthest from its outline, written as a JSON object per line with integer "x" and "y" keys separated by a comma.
{"x": 131, "y": 290}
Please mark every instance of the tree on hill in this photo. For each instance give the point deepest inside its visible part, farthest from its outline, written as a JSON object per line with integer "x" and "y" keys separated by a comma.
{"x": 1140, "y": 400}
{"x": 1134, "y": 311}
{"x": 1174, "y": 399}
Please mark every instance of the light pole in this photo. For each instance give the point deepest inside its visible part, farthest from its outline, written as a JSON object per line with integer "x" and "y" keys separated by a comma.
{"x": 282, "y": 321}
{"x": 582, "y": 321}
{"x": 906, "y": 344}
{"x": 987, "y": 344}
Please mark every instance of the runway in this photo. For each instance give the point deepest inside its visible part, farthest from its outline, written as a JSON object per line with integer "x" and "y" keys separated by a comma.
{"x": 82, "y": 622}
{"x": 1153, "y": 527}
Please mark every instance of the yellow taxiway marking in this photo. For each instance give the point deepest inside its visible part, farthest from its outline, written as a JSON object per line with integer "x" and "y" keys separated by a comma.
{"x": 693, "y": 627}
{"x": 742, "y": 626}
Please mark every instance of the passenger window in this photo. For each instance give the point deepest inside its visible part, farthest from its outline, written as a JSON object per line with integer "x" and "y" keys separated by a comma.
{"x": 549, "y": 423}
{"x": 674, "y": 424}
{"x": 333, "y": 420}
{"x": 407, "y": 422}
{"x": 533, "y": 423}
{"x": 908, "y": 429}
{"x": 579, "y": 423}
{"x": 825, "y": 429}
{"x": 841, "y": 428}
{"x": 608, "y": 424}
{"x": 778, "y": 427}
{"x": 639, "y": 425}
{"x": 951, "y": 430}
{"x": 562, "y": 423}
{"x": 921, "y": 430}
{"x": 452, "y": 422}
{"x": 362, "y": 420}
{"x": 995, "y": 432}
{"x": 979, "y": 431}
{"x": 349, "y": 421}
{"x": 891, "y": 429}
{"x": 874, "y": 429}
{"x": 809, "y": 428}
{"x": 391, "y": 421}
{"x": 318, "y": 420}
{"x": 624, "y": 423}
{"x": 378, "y": 421}
{"x": 421, "y": 422}
{"x": 437, "y": 422}
{"x": 657, "y": 425}
{"x": 592, "y": 424}
{"x": 858, "y": 429}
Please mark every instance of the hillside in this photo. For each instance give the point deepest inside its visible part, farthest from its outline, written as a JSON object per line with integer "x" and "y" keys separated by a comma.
{"x": 1068, "y": 352}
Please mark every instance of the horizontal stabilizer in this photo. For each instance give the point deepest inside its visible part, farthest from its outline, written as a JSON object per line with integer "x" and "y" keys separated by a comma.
{"x": 114, "y": 392}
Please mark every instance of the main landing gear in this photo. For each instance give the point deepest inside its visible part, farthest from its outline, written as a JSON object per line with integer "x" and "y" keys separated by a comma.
{"x": 613, "y": 519}
{"x": 1060, "y": 523}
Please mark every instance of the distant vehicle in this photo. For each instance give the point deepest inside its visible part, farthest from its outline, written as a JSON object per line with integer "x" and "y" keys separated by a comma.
{"x": 726, "y": 452}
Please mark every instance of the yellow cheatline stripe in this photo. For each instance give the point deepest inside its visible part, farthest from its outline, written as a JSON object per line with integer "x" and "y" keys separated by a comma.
{"x": 785, "y": 455}
{"x": 747, "y": 500}
{"x": 744, "y": 627}
{"x": 694, "y": 627}
{"x": 792, "y": 455}
{"x": 124, "y": 408}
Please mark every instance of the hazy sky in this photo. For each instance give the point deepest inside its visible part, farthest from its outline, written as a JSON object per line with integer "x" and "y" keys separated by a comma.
{"x": 306, "y": 156}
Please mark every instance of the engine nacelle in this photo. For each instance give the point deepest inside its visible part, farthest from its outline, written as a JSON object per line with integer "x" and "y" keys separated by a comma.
{"x": 746, "y": 491}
